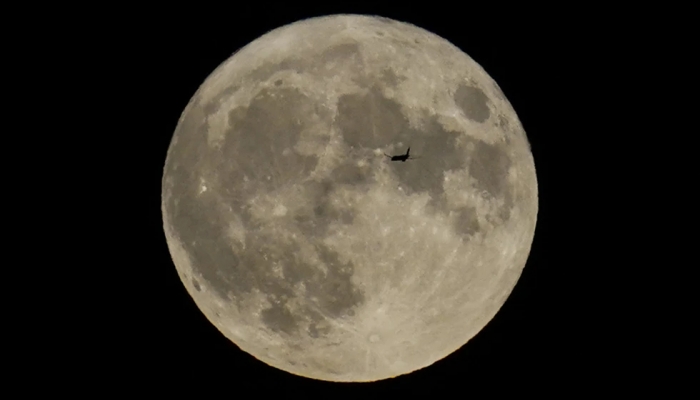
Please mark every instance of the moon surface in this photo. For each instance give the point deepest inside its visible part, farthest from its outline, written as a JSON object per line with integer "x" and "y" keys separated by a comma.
{"x": 306, "y": 246}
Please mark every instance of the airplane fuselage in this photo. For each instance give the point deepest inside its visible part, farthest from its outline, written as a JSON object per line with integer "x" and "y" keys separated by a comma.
{"x": 402, "y": 157}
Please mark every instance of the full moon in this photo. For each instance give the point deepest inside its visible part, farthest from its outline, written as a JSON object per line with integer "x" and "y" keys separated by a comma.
{"x": 308, "y": 247}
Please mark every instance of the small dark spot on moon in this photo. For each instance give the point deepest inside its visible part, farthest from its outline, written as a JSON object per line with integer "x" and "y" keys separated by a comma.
{"x": 380, "y": 33}
{"x": 312, "y": 331}
{"x": 466, "y": 222}
{"x": 502, "y": 122}
{"x": 390, "y": 78}
{"x": 315, "y": 331}
{"x": 279, "y": 319}
{"x": 347, "y": 217}
{"x": 210, "y": 108}
{"x": 196, "y": 285}
{"x": 340, "y": 53}
{"x": 416, "y": 41}
{"x": 504, "y": 212}
{"x": 322, "y": 210}
{"x": 473, "y": 103}
{"x": 278, "y": 82}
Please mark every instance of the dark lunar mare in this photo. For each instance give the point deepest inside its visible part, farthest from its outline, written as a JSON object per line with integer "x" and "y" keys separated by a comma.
{"x": 252, "y": 151}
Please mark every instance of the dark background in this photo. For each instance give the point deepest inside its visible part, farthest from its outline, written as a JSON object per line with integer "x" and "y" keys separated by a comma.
{"x": 545, "y": 336}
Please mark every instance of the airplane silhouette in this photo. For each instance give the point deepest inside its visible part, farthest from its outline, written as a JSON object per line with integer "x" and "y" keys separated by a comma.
{"x": 402, "y": 157}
